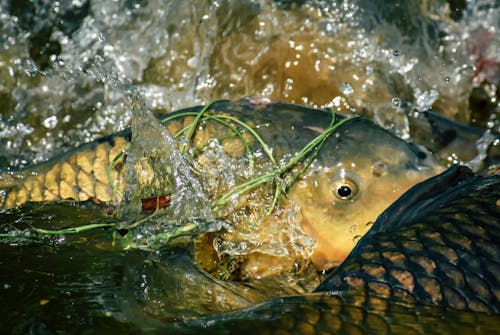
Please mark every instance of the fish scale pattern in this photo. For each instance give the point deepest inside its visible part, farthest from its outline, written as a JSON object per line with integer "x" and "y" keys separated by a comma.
{"x": 449, "y": 258}
{"x": 350, "y": 312}
{"x": 436, "y": 274}
{"x": 78, "y": 175}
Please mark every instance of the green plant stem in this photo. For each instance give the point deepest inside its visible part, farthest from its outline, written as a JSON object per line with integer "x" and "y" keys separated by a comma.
{"x": 111, "y": 165}
{"x": 305, "y": 156}
{"x": 218, "y": 119}
{"x": 194, "y": 124}
{"x": 72, "y": 230}
{"x": 258, "y": 181}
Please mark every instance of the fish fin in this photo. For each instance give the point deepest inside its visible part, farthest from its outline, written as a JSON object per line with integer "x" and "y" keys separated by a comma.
{"x": 318, "y": 130}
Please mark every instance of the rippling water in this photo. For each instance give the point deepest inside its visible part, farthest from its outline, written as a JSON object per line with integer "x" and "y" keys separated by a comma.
{"x": 68, "y": 70}
{"x": 362, "y": 54}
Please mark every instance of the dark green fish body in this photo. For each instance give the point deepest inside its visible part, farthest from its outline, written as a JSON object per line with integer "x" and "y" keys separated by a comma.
{"x": 453, "y": 142}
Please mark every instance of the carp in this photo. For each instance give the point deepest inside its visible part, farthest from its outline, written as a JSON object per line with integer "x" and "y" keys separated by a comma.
{"x": 341, "y": 186}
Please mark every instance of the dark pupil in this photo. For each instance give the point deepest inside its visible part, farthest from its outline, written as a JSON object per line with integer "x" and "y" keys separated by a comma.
{"x": 421, "y": 155}
{"x": 344, "y": 191}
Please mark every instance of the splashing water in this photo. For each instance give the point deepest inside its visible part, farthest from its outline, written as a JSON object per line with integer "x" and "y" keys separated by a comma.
{"x": 154, "y": 167}
{"x": 180, "y": 53}
{"x": 155, "y": 154}
{"x": 69, "y": 79}
{"x": 483, "y": 145}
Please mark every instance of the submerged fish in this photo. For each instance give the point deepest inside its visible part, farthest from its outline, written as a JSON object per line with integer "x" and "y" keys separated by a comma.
{"x": 359, "y": 171}
{"x": 429, "y": 265}
{"x": 451, "y": 141}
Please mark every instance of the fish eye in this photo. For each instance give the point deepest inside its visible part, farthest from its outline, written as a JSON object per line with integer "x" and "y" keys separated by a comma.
{"x": 422, "y": 155}
{"x": 345, "y": 189}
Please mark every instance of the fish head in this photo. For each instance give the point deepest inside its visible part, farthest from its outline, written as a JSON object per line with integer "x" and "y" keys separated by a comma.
{"x": 360, "y": 171}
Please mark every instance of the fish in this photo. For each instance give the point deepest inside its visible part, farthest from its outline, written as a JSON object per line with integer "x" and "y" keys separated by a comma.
{"x": 451, "y": 141}
{"x": 428, "y": 265}
{"x": 340, "y": 190}
{"x": 438, "y": 244}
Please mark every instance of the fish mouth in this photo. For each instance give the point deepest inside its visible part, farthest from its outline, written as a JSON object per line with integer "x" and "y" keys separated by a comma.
{"x": 423, "y": 198}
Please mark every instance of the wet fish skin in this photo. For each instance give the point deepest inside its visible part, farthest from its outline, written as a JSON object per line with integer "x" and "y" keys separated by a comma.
{"x": 433, "y": 271}
{"x": 345, "y": 313}
{"x": 77, "y": 175}
{"x": 442, "y": 249}
{"x": 326, "y": 311}
{"x": 87, "y": 178}
{"x": 376, "y": 166}
{"x": 448, "y": 138}
{"x": 285, "y": 127}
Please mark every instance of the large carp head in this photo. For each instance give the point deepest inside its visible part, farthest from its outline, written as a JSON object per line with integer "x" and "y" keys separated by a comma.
{"x": 361, "y": 170}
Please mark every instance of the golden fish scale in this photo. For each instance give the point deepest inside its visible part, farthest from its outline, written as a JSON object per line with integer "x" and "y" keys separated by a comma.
{"x": 82, "y": 174}
{"x": 78, "y": 175}
{"x": 463, "y": 235}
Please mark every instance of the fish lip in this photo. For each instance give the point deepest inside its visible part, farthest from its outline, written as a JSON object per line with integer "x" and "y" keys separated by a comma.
{"x": 422, "y": 198}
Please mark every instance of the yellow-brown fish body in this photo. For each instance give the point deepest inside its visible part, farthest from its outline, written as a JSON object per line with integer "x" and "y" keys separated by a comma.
{"x": 359, "y": 171}
{"x": 437, "y": 244}
{"x": 91, "y": 171}
{"x": 429, "y": 265}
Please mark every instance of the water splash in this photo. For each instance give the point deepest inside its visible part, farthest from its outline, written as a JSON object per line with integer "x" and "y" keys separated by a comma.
{"x": 154, "y": 153}
{"x": 394, "y": 117}
{"x": 482, "y": 145}
{"x": 181, "y": 53}
{"x": 155, "y": 167}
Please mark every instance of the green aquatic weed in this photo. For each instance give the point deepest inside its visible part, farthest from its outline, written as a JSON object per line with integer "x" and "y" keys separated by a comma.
{"x": 310, "y": 150}
{"x": 111, "y": 166}
{"x": 301, "y": 159}
{"x": 306, "y": 155}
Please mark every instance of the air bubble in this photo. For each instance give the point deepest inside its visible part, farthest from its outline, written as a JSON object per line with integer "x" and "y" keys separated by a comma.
{"x": 346, "y": 89}
{"x": 396, "y": 102}
{"x": 50, "y": 122}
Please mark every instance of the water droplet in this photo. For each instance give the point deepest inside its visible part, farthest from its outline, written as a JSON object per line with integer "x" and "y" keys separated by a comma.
{"x": 50, "y": 122}
{"x": 353, "y": 228}
{"x": 356, "y": 238}
{"x": 447, "y": 79}
{"x": 396, "y": 53}
{"x": 193, "y": 62}
{"x": 346, "y": 89}
{"x": 396, "y": 102}
{"x": 426, "y": 99}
